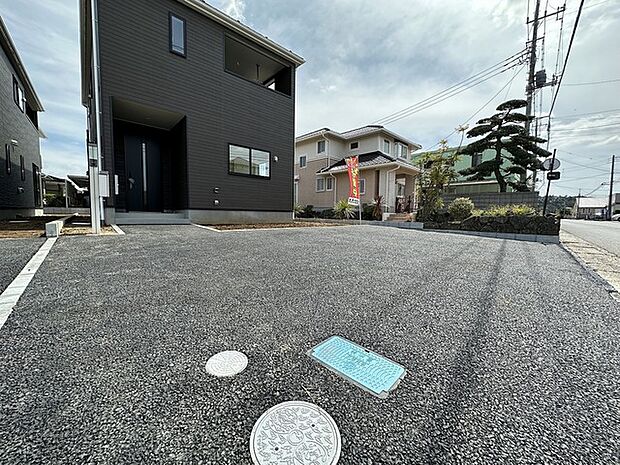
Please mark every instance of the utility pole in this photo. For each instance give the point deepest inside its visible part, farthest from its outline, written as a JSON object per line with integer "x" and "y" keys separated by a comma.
{"x": 529, "y": 90}
{"x": 611, "y": 189}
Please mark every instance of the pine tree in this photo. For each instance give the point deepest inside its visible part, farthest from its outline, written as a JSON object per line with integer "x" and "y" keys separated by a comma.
{"x": 516, "y": 152}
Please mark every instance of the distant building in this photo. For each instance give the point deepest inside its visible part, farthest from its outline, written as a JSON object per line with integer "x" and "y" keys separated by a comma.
{"x": 20, "y": 155}
{"x": 321, "y": 176}
{"x": 595, "y": 208}
{"x": 462, "y": 185}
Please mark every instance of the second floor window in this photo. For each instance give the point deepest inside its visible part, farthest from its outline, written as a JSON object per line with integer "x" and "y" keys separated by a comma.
{"x": 303, "y": 161}
{"x": 22, "y": 166}
{"x": 178, "y": 40}
{"x": 18, "y": 95}
{"x": 320, "y": 146}
{"x": 355, "y": 145}
{"x": 386, "y": 146}
{"x": 401, "y": 150}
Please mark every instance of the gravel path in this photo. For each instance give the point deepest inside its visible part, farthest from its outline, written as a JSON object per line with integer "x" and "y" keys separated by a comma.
{"x": 511, "y": 348}
{"x": 14, "y": 254}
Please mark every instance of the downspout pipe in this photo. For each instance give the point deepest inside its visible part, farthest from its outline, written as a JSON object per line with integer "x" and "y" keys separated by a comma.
{"x": 96, "y": 204}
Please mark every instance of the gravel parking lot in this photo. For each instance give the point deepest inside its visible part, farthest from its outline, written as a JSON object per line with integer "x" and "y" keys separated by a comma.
{"x": 14, "y": 254}
{"x": 511, "y": 347}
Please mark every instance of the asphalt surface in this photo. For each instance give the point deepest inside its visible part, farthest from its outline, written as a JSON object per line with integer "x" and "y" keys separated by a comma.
{"x": 605, "y": 234}
{"x": 14, "y": 254}
{"x": 511, "y": 348}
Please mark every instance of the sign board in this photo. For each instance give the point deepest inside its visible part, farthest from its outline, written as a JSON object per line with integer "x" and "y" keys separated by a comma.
{"x": 547, "y": 164}
{"x": 354, "y": 201}
{"x": 354, "y": 177}
{"x": 553, "y": 176}
{"x": 104, "y": 184}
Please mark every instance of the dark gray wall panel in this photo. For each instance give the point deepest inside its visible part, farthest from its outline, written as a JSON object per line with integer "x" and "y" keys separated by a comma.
{"x": 221, "y": 108}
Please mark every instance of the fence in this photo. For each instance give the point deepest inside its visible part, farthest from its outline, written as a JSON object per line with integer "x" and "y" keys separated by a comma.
{"x": 486, "y": 199}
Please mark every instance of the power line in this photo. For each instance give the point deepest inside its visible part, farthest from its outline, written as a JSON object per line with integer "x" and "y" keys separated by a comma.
{"x": 581, "y": 114}
{"x": 570, "y": 46}
{"x": 465, "y": 84}
{"x": 592, "y": 83}
{"x": 570, "y": 162}
{"x": 587, "y": 127}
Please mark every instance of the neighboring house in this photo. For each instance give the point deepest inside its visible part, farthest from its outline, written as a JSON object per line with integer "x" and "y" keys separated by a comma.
{"x": 20, "y": 155}
{"x": 321, "y": 176}
{"x": 197, "y": 112}
{"x": 593, "y": 208}
{"x": 63, "y": 192}
{"x": 461, "y": 185}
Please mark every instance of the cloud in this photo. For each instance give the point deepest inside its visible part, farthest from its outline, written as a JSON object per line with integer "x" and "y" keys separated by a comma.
{"x": 367, "y": 59}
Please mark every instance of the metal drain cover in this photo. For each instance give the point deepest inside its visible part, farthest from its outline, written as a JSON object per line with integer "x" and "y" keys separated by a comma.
{"x": 362, "y": 367}
{"x": 227, "y": 363}
{"x": 295, "y": 433}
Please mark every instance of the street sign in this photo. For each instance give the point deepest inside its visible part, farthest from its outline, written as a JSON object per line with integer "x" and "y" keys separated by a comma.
{"x": 547, "y": 164}
{"x": 553, "y": 175}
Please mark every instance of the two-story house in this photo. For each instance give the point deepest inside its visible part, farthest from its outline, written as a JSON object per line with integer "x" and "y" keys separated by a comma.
{"x": 190, "y": 112}
{"x": 321, "y": 175}
{"x": 20, "y": 154}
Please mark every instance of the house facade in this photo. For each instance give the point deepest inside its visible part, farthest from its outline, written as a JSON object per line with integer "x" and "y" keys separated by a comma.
{"x": 595, "y": 208}
{"x": 321, "y": 176}
{"x": 190, "y": 113}
{"x": 461, "y": 185}
{"x": 20, "y": 155}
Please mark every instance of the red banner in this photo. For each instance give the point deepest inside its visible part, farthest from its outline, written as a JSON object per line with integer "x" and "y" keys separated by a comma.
{"x": 354, "y": 177}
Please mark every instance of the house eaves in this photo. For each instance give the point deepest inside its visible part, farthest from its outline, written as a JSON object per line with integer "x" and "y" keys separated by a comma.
{"x": 11, "y": 51}
{"x": 355, "y": 134}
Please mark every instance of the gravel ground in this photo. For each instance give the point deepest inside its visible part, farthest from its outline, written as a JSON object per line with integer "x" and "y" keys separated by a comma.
{"x": 14, "y": 254}
{"x": 511, "y": 348}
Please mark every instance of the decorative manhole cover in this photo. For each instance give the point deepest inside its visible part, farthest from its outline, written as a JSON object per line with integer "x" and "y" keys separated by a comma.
{"x": 295, "y": 433}
{"x": 227, "y": 363}
{"x": 364, "y": 368}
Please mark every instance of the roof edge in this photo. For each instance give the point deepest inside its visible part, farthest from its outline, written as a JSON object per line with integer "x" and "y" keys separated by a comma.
{"x": 18, "y": 64}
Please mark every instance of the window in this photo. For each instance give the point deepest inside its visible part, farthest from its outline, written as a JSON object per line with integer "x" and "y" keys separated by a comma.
{"x": 386, "y": 146}
{"x": 330, "y": 184}
{"x": 36, "y": 180}
{"x": 18, "y": 95}
{"x": 248, "y": 63}
{"x": 178, "y": 39}
{"x": 8, "y": 148}
{"x": 303, "y": 161}
{"x": 320, "y": 146}
{"x": 250, "y": 162}
{"x": 22, "y": 167}
{"x": 401, "y": 150}
{"x": 362, "y": 186}
{"x": 476, "y": 159}
{"x": 355, "y": 145}
{"x": 320, "y": 184}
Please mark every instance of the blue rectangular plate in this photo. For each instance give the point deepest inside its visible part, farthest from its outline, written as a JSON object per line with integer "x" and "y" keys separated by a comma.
{"x": 362, "y": 367}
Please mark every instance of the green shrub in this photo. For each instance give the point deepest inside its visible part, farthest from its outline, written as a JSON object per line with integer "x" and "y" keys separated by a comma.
{"x": 430, "y": 204}
{"x": 327, "y": 214}
{"x": 461, "y": 208}
{"x": 343, "y": 210}
{"x": 298, "y": 209}
{"x": 509, "y": 210}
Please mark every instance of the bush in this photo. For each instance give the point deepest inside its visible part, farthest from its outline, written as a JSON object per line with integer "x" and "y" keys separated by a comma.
{"x": 430, "y": 204}
{"x": 298, "y": 210}
{"x": 54, "y": 200}
{"x": 343, "y": 210}
{"x": 327, "y": 214}
{"x": 461, "y": 208}
{"x": 509, "y": 210}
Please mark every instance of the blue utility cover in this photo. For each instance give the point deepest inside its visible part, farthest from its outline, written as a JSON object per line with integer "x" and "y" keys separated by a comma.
{"x": 362, "y": 367}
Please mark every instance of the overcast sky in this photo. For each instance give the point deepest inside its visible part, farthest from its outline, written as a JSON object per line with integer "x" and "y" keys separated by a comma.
{"x": 366, "y": 60}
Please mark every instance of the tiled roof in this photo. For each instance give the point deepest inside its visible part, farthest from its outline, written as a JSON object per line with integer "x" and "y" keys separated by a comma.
{"x": 586, "y": 202}
{"x": 355, "y": 133}
{"x": 368, "y": 160}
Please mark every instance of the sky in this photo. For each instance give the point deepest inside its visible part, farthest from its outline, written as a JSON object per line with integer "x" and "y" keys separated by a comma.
{"x": 366, "y": 60}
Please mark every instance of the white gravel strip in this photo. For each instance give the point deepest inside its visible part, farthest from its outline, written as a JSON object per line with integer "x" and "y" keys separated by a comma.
{"x": 14, "y": 291}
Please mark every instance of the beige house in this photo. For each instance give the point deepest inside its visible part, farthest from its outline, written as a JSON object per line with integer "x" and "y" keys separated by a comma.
{"x": 321, "y": 176}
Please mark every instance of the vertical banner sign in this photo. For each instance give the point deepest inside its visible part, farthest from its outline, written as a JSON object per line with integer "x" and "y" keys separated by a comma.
{"x": 354, "y": 183}
{"x": 354, "y": 180}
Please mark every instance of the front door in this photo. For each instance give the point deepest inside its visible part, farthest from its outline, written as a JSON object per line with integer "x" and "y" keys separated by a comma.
{"x": 143, "y": 169}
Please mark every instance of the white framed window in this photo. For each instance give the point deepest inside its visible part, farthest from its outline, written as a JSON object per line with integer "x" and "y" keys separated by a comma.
{"x": 386, "y": 146}
{"x": 329, "y": 183}
{"x": 362, "y": 186}
{"x": 320, "y": 146}
{"x": 402, "y": 151}
{"x": 354, "y": 145}
{"x": 320, "y": 184}
{"x": 178, "y": 39}
{"x": 303, "y": 161}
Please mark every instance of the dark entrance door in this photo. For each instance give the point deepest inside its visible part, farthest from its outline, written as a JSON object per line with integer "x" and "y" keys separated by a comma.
{"x": 143, "y": 165}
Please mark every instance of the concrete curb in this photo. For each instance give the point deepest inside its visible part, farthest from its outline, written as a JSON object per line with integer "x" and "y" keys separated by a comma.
{"x": 118, "y": 230}
{"x": 543, "y": 239}
{"x": 54, "y": 228}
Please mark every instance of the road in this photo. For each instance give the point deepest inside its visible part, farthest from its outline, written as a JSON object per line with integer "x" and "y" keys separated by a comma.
{"x": 510, "y": 348}
{"x": 605, "y": 234}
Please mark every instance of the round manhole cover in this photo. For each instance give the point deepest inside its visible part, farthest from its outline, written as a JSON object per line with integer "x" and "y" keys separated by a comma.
{"x": 295, "y": 433}
{"x": 227, "y": 363}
